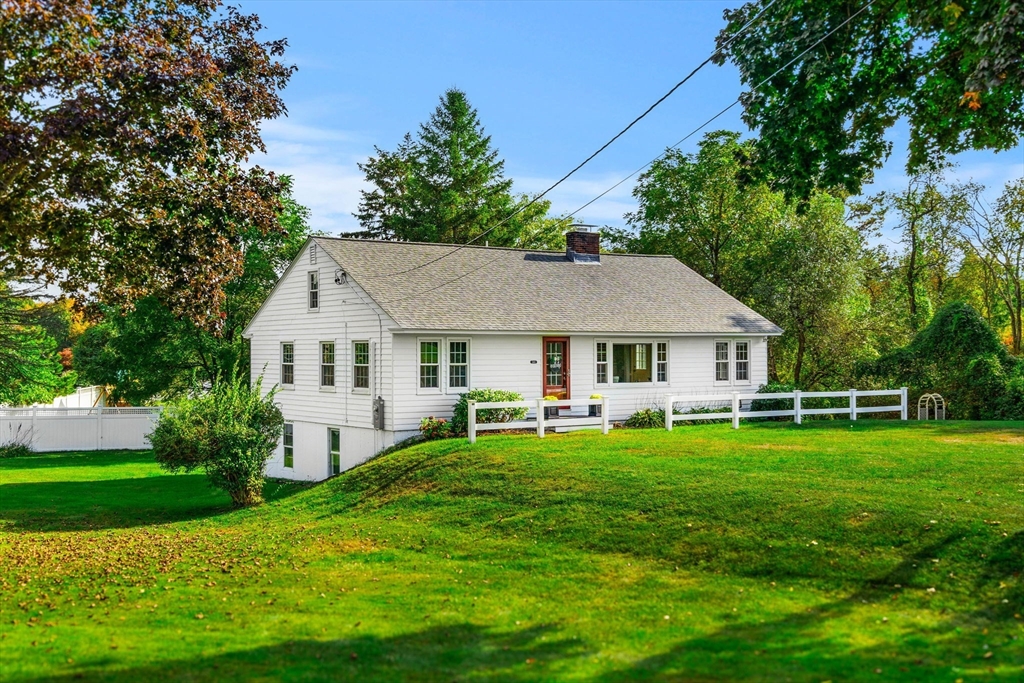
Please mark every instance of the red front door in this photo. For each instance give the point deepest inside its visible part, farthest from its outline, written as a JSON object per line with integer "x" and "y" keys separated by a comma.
{"x": 556, "y": 367}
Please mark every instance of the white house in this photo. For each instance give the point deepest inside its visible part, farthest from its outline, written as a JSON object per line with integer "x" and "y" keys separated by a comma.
{"x": 365, "y": 338}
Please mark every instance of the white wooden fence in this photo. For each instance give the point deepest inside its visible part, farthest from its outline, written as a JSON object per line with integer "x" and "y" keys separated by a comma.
{"x": 539, "y": 421}
{"x": 78, "y": 429}
{"x": 796, "y": 412}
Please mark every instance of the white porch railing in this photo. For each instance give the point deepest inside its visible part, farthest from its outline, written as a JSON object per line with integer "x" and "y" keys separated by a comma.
{"x": 79, "y": 429}
{"x": 797, "y": 411}
{"x": 539, "y": 421}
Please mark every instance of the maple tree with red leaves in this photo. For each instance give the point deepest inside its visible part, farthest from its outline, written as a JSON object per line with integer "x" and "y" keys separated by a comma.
{"x": 125, "y": 132}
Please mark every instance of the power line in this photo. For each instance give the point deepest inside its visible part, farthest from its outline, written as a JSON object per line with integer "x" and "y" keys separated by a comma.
{"x": 723, "y": 111}
{"x": 687, "y": 136}
{"x": 599, "y": 150}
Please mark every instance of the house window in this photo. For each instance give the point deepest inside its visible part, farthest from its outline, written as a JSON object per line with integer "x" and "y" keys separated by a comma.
{"x": 631, "y": 363}
{"x": 361, "y": 365}
{"x": 326, "y": 364}
{"x": 288, "y": 363}
{"x": 742, "y": 361}
{"x": 334, "y": 440}
{"x": 662, "y": 360}
{"x": 289, "y": 444}
{"x": 722, "y": 361}
{"x": 458, "y": 364}
{"x": 430, "y": 364}
{"x": 314, "y": 291}
{"x": 601, "y": 354}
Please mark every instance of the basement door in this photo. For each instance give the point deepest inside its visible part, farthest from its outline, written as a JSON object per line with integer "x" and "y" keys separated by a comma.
{"x": 555, "y": 381}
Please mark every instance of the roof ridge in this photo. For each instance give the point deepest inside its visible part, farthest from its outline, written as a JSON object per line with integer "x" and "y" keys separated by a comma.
{"x": 474, "y": 246}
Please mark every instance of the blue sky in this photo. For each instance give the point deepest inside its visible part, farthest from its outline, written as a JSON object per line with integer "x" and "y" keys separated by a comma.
{"x": 551, "y": 82}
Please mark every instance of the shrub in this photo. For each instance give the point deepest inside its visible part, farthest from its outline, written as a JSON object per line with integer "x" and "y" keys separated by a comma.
{"x": 759, "y": 404}
{"x": 646, "y": 418}
{"x": 18, "y": 443}
{"x": 435, "y": 428}
{"x": 229, "y": 431}
{"x": 460, "y": 415}
{"x": 960, "y": 356}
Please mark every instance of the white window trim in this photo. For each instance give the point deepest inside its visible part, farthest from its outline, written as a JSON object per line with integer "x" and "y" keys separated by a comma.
{"x": 607, "y": 362}
{"x": 319, "y": 291}
{"x": 280, "y": 366}
{"x": 320, "y": 363}
{"x": 668, "y": 363}
{"x": 732, "y": 381}
{"x": 439, "y": 389}
{"x": 750, "y": 363}
{"x": 612, "y": 343}
{"x": 284, "y": 446}
{"x": 447, "y": 365}
{"x": 352, "y": 366}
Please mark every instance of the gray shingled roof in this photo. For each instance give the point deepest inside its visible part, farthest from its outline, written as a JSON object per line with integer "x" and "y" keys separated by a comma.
{"x": 486, "y": 288}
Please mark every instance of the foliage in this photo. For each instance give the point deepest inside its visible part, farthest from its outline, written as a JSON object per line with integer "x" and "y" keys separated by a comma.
{"x": 30, "y": 366}
{"x": 229, "y": 431}
{"x": 959, "y": 356}
{"x": 177, "y": 350}
{"x": 759, "y": 404}
{"x": 125, "y": 135}
{"x": 460, "y": 413}
{"x": 646, "y": 418}
{"x": 17, "y": 443}
{"x": 435, "y": 428}
{"x": 448, "y": 185}
{"x": 517, "y": 519}
{"x": 996, "y": 239}
{"x": 698, "y": 208}
{"x": 953, "y": 69}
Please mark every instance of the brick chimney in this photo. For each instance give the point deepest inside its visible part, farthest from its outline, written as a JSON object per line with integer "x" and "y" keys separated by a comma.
{"x": 582, "y": 245}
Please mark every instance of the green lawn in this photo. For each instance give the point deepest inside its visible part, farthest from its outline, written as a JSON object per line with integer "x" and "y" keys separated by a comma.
{"x": 837, "y": 551}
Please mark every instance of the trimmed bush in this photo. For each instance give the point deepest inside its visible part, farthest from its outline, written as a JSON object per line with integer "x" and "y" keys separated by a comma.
{"x": 460, "y": 415}
{"x": 229, "y": 432}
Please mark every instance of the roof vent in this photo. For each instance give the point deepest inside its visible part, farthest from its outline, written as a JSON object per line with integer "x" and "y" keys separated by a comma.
{"x": 582, "y": 245}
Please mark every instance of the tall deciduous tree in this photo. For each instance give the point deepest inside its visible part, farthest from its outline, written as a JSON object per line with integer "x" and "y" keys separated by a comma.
{"x": 698, "y": 208}
{"x": 176, "y": 349}
{"x": 125, "y": 127}
{"x": 996, "y": 238}
{"x": 953, "y": 68}
{"x": 447, "y": 185}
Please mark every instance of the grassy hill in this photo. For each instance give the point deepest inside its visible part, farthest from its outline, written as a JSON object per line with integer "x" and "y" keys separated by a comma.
{"x": 829, "y": 551}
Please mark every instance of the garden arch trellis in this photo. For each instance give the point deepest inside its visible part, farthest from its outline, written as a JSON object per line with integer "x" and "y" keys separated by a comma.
{"x": 931, "y": 407}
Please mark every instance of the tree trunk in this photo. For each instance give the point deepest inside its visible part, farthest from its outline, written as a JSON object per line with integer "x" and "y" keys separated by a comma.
{"x": 801, "y": 345}
{"x": 247, "y": 496}
{"x": 912, "y": 274}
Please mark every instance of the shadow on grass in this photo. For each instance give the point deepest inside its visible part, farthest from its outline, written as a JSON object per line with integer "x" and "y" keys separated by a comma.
{"x": 118, "y": 503}
{"x": 56, "y": 460}
{"x": 798, "y": 647}
{"x": 442, "y": 653}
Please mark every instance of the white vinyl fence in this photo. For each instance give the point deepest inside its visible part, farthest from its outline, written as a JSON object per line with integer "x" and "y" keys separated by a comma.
{"x": 796, "y": 412}
{"x": 78, "y": 429}
{"x": 539, "y": 421}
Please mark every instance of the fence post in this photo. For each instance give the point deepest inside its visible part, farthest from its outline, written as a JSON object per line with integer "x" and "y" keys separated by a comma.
{"x": 604, "y": 415}
{"x": 99, "y": 428}
{"x": 797, "y": 419}
{"x": 903, "y": 403}
{"x": 853, "y": 404}
{"x": 472, "y": 420}
{"x": 32, "y": 426}
{"x": 735, "y": 410}
{"x": 669, "y": 401}
{"x": 540, "y": 417}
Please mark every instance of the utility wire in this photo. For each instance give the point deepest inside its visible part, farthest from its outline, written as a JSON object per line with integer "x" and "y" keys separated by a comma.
{"x": 599, "y": 150}
{"x": 687, "y": 136}
{"x": 723, "y": 111}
